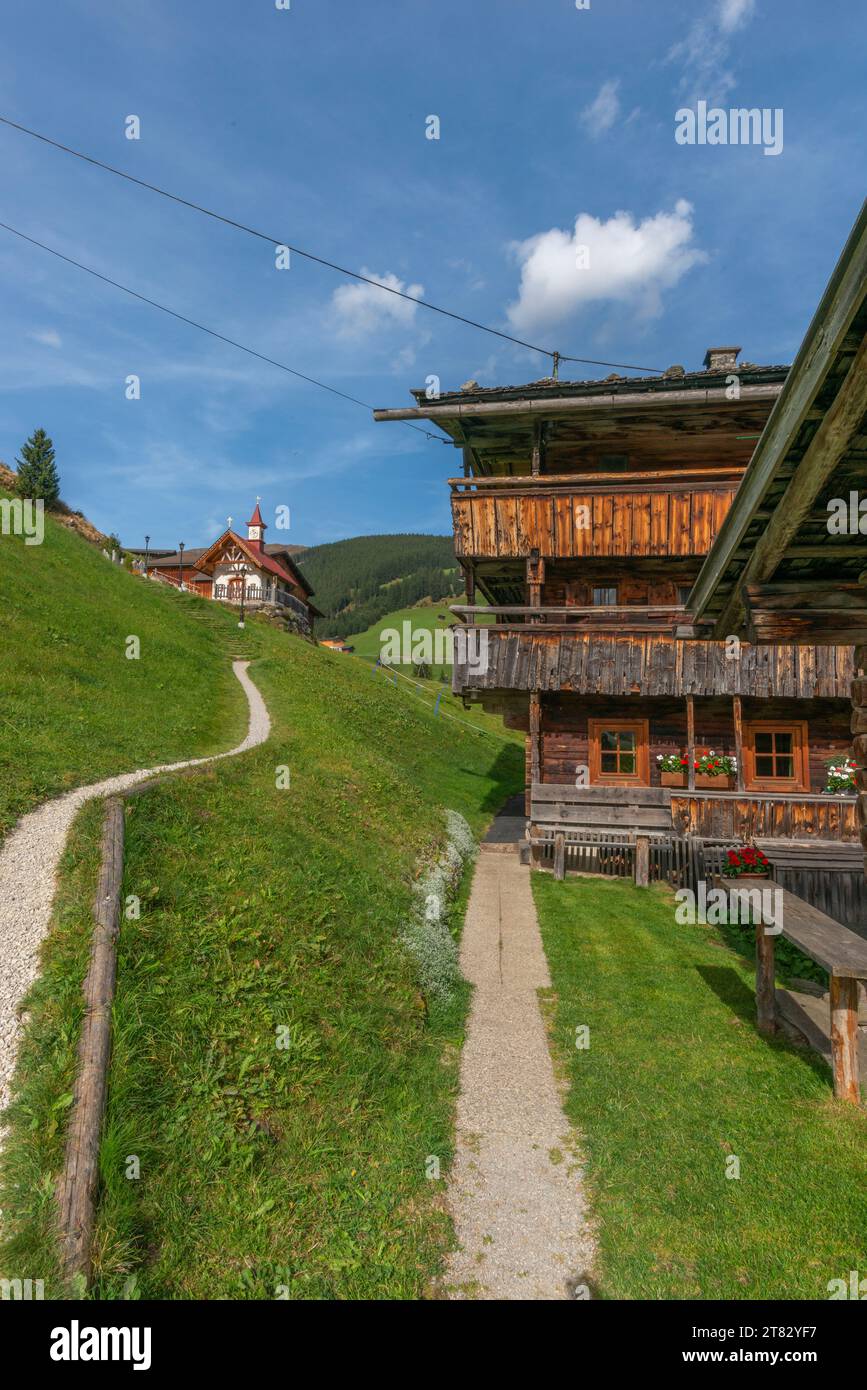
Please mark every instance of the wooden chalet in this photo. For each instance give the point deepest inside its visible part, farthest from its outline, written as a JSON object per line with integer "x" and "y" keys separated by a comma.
{"x": 266, "y": 574}
{"x": 582, "y": 519}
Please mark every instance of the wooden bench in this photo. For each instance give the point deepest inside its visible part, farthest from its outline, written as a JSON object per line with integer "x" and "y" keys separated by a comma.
{"x": 606, "y": 815}
{"x": 839, "y": 951}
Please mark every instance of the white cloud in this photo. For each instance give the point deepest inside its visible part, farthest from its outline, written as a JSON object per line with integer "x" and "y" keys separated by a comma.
{"x": 704, "y": 52}
{"x": 734, "y": 13}
{"x": 362, "y": 309}
{"x": 627, "y": 262}
{"x": 603, "y": 111}
{"x": 49, "y": 337}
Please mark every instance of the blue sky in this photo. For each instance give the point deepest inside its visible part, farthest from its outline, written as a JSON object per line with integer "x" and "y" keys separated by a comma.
{"x": 310, "y": 124}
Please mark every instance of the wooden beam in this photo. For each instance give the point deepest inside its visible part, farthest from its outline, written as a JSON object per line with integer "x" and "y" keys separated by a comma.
{"x": 737, "y": 711}
{"x": 535, "y": 737}
{"x": 548, "y": 406}
{"x": 806, "y": 611}
{"x": 665, "y": 480}
{"x": 690, "y": 742}
{"x": 824, "y": 339}
{"x": 825, "y": 451}
{"x": 536, "y": 459}
{"x": 76, "y": 1192}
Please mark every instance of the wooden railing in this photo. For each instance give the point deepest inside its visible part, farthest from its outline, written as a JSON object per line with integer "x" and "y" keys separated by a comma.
{"x": 670, "y": 512}
{"x": 747, "y": 815}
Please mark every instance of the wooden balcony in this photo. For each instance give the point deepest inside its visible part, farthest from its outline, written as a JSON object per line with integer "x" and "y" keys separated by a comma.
{"x": 665, "y": 513}
{"x": 593, "y": 662}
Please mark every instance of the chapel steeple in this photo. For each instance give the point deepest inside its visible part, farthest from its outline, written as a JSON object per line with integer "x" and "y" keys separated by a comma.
{"x": 256, "y": 528}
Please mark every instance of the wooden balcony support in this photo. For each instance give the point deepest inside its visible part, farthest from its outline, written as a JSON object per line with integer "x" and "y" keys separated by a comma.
{"x": 738, "y": 719}
{"x": 535, "y": 742}
{"x": 690, "y": 742}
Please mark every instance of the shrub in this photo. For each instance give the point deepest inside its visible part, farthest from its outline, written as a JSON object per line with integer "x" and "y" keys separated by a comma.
{"x": 426, "y": 934}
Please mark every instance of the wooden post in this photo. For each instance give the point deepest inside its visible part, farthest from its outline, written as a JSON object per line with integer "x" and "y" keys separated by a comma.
{"x": 535, "y": 580}
{"x": 535, "y": 752}
{"x": 468, "y": 462}
{"x": 536, "y": 462}
{"x": 470, "y": 574}
{"x": 737, "y": 710}
{"x": 859, "y": 742}
{"x": 766, "y": 1008}
{"x": 559, "y": 855}
{"x": 535, "y": 737}
{"x": 690, "y": 742}
{"x": 77, "y": 1186}
{"x": 844, "y": 1038}
{"x": 642, "y": 861}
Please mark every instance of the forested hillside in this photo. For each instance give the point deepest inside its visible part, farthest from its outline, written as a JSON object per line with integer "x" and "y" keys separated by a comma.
{"x": 358, "y": 581}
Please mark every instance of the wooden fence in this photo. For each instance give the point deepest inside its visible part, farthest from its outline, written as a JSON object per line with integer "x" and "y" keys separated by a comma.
{"x": 682, "y": 861}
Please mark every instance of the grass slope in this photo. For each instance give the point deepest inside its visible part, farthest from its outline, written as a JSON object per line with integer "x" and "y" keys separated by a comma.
{"x": 73, "y": 707}
{"x": 675, "y": 1080}
{"x": 267, "y": 1172}
{"x": 437, "y": 688}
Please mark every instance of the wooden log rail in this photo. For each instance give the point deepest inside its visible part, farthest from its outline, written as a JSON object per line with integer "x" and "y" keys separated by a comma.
{"x": 843, "y": 954}
{"x": 77, "y": 1187}
{"x": 653, "y": 480}
{"x": 516, "y": 616}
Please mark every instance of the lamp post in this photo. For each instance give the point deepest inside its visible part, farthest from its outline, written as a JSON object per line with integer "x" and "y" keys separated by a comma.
{"x": 181, "y": 550}
{"x": 147, "y": 552}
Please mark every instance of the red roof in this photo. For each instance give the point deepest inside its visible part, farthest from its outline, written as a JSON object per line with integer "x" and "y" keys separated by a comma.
{"x": 256, "y": 518}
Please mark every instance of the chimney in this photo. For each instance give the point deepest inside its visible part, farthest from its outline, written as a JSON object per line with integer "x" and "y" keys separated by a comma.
{"x": 721, "y": 359}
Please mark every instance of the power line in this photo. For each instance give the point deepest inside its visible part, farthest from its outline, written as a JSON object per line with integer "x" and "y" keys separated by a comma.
{"x": 556, "y": 357}
{"x": 203, "y": 328}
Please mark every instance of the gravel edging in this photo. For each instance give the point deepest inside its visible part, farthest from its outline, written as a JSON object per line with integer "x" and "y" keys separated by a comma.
{"x": 29, "y": 860}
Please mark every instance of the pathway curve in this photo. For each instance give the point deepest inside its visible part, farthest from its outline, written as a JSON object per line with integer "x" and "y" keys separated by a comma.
{"x": 28, "y": 875}
{"x": 515, "y": 1189}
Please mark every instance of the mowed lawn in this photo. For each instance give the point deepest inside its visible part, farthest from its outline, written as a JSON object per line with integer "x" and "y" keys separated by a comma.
{"x": 675, "y": 1080}
{"x": 73, "y": 707}
{"x": 267, "y": 912}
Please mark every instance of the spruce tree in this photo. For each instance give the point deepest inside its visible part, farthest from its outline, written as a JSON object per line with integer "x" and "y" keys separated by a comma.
{"x": 37, "y": 472}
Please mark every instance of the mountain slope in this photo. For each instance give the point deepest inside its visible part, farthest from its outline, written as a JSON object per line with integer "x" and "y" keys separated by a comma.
{"x": 357, "y": 581}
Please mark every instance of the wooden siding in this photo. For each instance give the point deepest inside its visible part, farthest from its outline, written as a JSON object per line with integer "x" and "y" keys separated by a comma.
{"x": 647, "y": 664}
{"x": 677, "y": 521}
{"x": 741, "y": 816}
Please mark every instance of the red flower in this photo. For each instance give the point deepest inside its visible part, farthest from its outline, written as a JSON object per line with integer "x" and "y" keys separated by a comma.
{"x": 733, "y": 857}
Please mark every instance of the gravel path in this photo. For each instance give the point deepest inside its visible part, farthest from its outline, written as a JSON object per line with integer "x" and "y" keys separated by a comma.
{"x": 28, "y": 876}
{"x": 515, "y": 1190}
